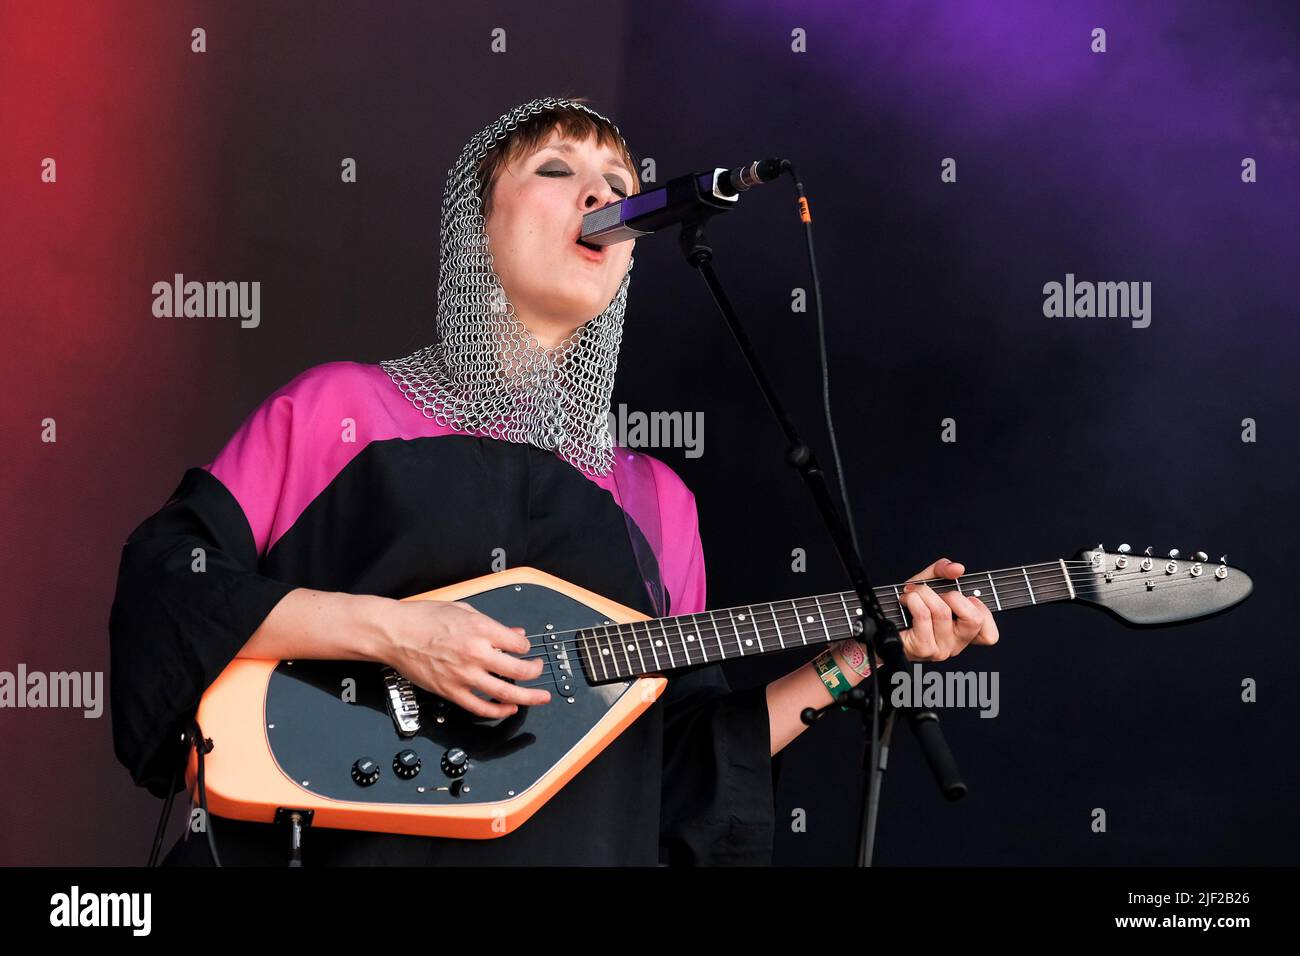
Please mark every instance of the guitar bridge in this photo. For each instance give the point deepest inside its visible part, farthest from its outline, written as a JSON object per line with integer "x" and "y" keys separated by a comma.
{"x": 402, "y": 705}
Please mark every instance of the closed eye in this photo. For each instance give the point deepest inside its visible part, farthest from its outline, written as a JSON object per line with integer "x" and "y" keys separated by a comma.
{"x": 613, "y": 183}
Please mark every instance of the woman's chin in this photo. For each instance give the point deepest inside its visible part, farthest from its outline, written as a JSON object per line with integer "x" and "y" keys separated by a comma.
{"x": 581, "y": 310}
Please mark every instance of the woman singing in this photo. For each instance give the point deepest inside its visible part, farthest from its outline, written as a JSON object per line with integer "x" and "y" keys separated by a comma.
{"x": 355, "y": 485}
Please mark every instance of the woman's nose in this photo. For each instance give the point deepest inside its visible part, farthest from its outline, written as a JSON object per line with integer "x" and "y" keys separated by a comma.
{"x": 600, "y": 193}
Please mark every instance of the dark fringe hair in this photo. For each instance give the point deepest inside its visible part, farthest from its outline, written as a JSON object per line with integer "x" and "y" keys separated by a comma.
{"x": 527, "y": 137}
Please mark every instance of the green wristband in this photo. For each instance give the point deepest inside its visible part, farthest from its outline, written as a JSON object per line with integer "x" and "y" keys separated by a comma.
{"x": 832, "y": 677}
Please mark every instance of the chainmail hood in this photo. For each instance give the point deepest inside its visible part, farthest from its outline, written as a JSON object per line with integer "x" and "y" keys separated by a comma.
{"x": 486, "y": 373}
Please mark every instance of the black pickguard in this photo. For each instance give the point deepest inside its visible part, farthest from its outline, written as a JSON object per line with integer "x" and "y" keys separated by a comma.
{"x": 315, "y": 736}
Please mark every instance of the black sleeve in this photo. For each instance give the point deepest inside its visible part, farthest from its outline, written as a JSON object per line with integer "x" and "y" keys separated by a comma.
{"x": 719, "y": 778}
{"x": 173, "y": 628}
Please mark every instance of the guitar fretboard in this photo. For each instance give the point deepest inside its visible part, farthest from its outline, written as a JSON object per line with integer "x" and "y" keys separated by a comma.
{"x": 624, "y": 651}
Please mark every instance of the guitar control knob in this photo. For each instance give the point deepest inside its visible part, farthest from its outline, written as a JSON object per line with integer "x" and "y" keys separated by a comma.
{"x": 365, "y": 772}
{"x": 455, "y": 762}
{"x": 406, "y": 764}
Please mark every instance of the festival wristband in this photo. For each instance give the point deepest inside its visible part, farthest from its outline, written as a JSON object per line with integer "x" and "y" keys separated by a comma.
{"x": 832, "y": 677}
{"x": 854, "y": 655}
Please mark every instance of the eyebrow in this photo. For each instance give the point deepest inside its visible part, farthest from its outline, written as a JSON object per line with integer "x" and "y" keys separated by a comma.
{"x": 567, "y": 147}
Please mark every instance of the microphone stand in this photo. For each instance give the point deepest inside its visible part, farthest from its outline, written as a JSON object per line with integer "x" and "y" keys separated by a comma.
{"x": 876, "y": 630}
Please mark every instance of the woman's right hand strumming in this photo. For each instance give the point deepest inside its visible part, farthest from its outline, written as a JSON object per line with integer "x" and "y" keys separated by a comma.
{"x": 446, "y": 647}
{"x": 452, "y": 649}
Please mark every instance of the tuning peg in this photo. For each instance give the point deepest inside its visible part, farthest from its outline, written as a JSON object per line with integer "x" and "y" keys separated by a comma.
{"x": 1101, "y": 547}
{"x": 1200, "y": 556}
{"x": 1123, "y": 549}
{"x": 1223, "y": 559}
{"x": 1147, "y": 552}
{"x": 1173, "y": 552}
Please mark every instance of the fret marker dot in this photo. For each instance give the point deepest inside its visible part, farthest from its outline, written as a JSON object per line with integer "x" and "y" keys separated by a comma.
{"x": 604, "y": 650}
{"x": 631, "y": 647}
{"x": 690, "y": 637}
{"x": 740, "y": 617}
{"x": 658, "y": 643}
{"x": 749, "y": 641}
{"x": 809, "y": 618}
{"x": 977, "y": 592}
{"x": 860, "y": 609}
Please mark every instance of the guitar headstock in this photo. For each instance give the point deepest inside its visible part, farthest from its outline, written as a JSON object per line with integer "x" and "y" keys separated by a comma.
{"x": 1149, "y": 589}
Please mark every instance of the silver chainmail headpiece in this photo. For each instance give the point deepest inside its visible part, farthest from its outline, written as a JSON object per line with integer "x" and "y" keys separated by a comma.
{"x": 486, "y": 373}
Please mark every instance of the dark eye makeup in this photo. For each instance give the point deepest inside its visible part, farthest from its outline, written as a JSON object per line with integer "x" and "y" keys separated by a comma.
{"x": 615, "y": 184}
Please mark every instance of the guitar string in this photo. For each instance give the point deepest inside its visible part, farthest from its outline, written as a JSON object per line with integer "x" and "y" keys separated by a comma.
{"x": 789, "y": 617}
{"x": 765, "y": 634}
{"x": 1014, "y": 574}
{"x": 1014, "y": 589}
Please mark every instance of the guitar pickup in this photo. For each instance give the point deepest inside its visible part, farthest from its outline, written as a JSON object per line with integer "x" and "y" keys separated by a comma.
{"x": 402, "y": 705}
{"x": 560, "y": 664}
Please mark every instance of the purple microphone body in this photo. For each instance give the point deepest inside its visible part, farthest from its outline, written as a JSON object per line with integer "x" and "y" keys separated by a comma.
{"x": 692, "y": 194}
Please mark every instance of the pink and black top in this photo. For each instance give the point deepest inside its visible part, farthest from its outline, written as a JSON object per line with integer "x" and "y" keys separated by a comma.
{"x": 337, "y": 482}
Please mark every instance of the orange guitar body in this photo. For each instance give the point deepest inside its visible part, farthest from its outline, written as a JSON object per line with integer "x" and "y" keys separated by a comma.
{"x": 244, "y": 780}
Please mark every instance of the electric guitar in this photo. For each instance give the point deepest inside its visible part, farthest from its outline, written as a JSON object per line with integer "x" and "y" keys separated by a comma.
{"x": 358, "y": 746}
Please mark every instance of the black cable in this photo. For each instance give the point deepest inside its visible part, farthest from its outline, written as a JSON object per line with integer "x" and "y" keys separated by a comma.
{"x": 202, "y": 746}
{"x": 825, "y": 362}
{"x": 166, "y": 815}
{"x": 806, "y": 216}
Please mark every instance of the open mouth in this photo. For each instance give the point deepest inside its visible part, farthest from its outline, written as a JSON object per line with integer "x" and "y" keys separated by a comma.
{"x": 592, "y": 247}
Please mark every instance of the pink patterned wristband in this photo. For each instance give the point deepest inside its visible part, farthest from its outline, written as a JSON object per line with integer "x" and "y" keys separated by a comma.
{"x": 854, "y": 654}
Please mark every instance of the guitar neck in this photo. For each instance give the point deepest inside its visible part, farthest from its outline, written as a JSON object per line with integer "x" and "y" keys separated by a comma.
{"x": 659, "y": 645}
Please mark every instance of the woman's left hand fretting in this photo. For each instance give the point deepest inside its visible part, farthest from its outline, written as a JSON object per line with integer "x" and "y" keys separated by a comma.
{"x": 943, "y": 625}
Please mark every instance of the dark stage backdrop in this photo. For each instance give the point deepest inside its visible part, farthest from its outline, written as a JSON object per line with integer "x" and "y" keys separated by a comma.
{"x": 1126, "y": 165}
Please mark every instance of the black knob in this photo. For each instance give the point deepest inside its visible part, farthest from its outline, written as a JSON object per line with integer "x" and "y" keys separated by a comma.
{"x": 365, "y": 771}
{"x": 406, "y": 764}
{"x": 455, "y": 762}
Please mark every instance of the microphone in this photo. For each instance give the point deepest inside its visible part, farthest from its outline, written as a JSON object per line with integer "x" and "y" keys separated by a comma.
{"x": 703, "y": 194}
